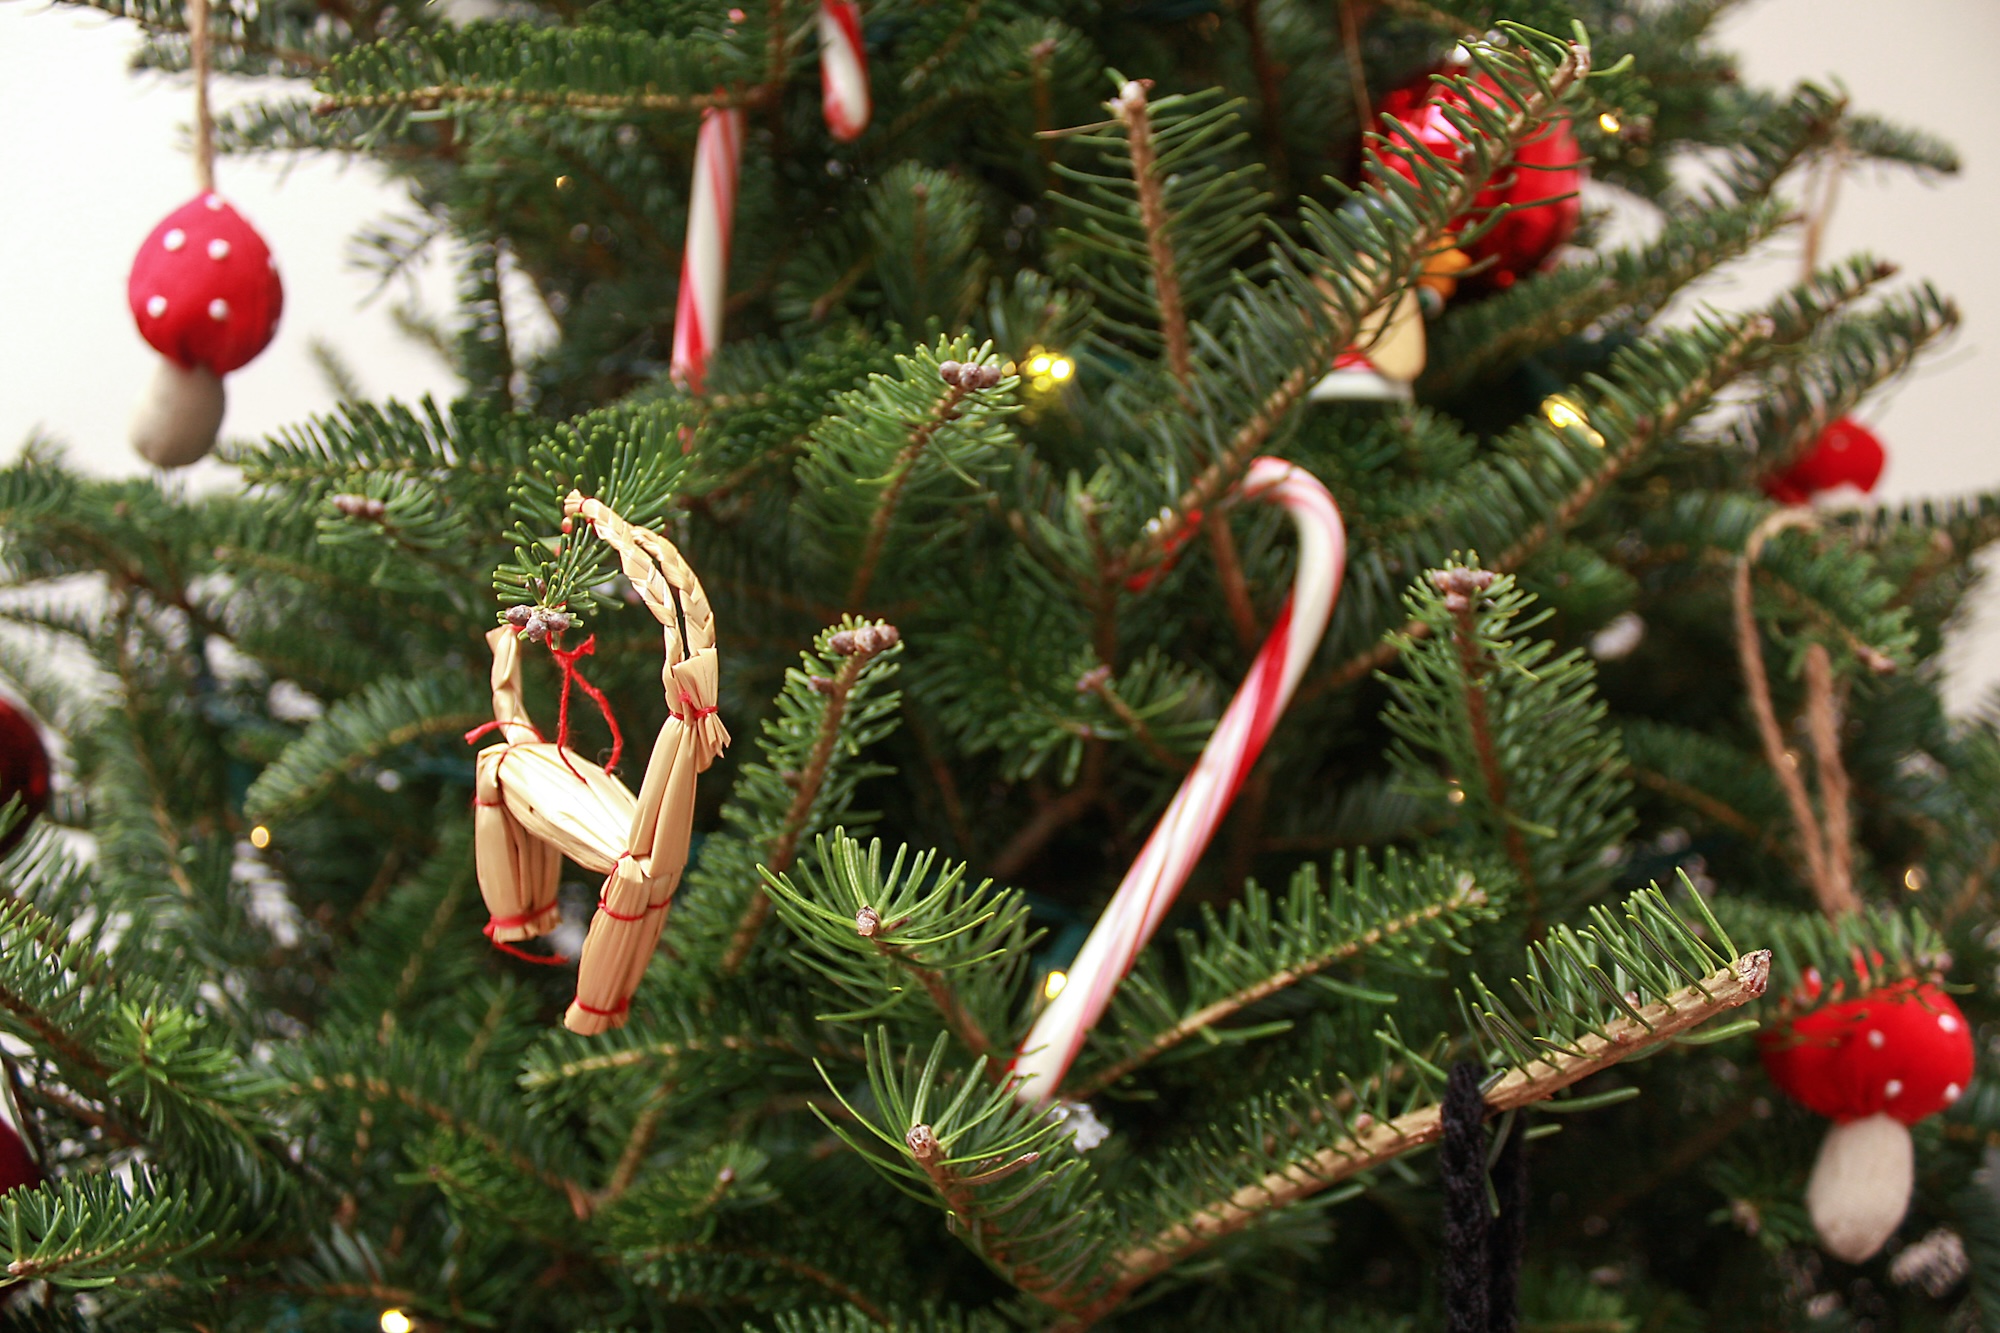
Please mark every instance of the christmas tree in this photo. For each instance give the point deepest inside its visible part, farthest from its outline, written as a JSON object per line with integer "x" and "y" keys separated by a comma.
{"x": 912, "y": 380}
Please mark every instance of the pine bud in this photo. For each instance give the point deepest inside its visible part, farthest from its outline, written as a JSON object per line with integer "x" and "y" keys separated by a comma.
{"x": 867, "y": 922}
{"x": 949, "y": 371}
{"x": 923, "y": 1143}
{"x": 1090, "y": 680}
{"x": 820, "y": 684}
{"x": 1462, "y": 584}
{"x": 365, "y": 507}
{"x": 865, "y": 641}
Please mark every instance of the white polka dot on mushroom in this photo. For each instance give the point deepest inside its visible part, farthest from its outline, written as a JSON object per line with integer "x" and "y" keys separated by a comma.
{"x": 1952, "y": 1092}
{"x": 1893, "y": 1088}
{"x": 214, "y": 202}
{"x": 1877, "y": 1040}
{"x": 218, "y": 309}
{"x": 174, "y": 239}
{"x": 156, "y": 306}
{"x": 218, "y": 249}
{"x": 1947, "y": 1023}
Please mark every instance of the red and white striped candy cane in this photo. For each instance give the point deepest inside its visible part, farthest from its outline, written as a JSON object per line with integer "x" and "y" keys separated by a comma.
{"x": 843, "y": 69}
{"x": 1178, "y": 840}
{"x": 718, "y": 158}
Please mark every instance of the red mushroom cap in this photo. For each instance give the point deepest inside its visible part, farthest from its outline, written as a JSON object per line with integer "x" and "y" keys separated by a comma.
{"x": 1543, "y": 170}
{"x": 1904, "y": 1051}
{"x": 1846, "y": 453}
{"x": 204, "y": 289}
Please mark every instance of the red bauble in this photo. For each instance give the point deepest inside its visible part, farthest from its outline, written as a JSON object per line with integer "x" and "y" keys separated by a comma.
{"x": 204, "y": 288}
{"x": 1904, "y": 1051}
{"x": 1544, "y": 169}
{"x": 24, "y": 772}
{"x": 1846, "y": 453}
{"x": 17, "y": 1169}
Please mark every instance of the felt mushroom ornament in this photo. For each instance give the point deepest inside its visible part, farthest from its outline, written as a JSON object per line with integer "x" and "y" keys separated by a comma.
{"x": 205, "y": 294}
{"x": 1874, "y": 1066}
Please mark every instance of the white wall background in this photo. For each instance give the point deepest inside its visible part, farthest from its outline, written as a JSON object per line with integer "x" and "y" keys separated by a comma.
{"x": 90, "y": 159}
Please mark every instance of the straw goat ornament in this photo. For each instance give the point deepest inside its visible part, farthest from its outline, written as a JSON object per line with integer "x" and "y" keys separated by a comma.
{"x": 537, "y": 801}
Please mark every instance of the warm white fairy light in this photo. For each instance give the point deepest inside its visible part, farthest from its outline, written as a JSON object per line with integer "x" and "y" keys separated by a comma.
{"x": 260, "y": 837}
{"x": 1914, "y": 879}
{"x": 395, "y": 1321}
{"x": 1565, "y": 414}
{"x": 1052, "y": 985}
{"x": 1609, "y": 123}
{"x": 1047, "y": 369}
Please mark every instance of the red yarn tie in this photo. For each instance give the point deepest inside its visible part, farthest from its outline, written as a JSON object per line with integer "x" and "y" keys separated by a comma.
{"x": 566, "y": 659}
{"x": 494, "y": 925}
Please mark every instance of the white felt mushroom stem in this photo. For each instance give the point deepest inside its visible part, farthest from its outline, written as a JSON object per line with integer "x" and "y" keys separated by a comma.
{"x": 178, "y": 417}
{"x": 1860, "y": 1186}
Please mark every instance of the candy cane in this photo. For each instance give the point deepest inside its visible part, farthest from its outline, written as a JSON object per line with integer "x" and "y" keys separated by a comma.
{"x": 843, "y": 69}
{"x": 1178, "y": 840}
{"x": 718, "y": 157}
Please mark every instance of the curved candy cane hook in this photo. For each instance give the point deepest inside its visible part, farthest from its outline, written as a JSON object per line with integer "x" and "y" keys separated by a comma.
{"x": 1178, "y": 840}
{"x": 843, "y": 69}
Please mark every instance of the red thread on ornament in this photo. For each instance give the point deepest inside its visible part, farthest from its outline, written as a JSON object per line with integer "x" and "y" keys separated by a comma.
{"x": 612, "y": 1012}
{"x": 566, "y": 659}
{"x": 695, "y": 711}
{"x": 499, "y": 923}
{"x": 488, "y": 728}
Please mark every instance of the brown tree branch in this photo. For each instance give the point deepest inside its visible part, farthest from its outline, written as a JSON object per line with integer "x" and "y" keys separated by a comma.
{"x": 1373, "y": 1143}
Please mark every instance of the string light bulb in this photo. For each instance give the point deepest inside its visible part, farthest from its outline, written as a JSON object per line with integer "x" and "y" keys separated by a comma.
{"x": 1564, "y": 413}
{"x": 395, "y": 1321}
{"x": 1053, "y": 983}
{"x": 1609, "y": 123}
{"x": 1914, "y": 879}
{"x": 260, "y": 837}
{"x": 1047, "y": 369}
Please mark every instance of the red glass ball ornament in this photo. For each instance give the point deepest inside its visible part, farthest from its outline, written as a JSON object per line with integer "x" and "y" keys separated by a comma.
{"x": 1904, "y": 1051}
{"x": 1543, "y": 171}
{"x": 24, "y": 772}
{"x": 18, "y": 1170}
{"x": 1846, "y": 453}
{"x": 204, "y": 289}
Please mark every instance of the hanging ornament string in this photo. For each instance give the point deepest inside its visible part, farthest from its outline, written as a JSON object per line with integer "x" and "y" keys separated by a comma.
{"x": 204, "y": 122}
{"x": 1178, "y": 840}
{"x": 718, "y": 161}
{"x": 843, "y": 69}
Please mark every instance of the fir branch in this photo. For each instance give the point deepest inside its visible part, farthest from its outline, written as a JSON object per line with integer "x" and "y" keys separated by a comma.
{"x": 812, "y": 1275}
{"x": 1630, "y": 421}
{"x": 864, "y": 644}
{"x": 1534, "y": 94}
{"x": 1130, "y": 109}
{"x": 583, "y": 68}
{"x": 1098, "y": 681}
{"x": 921, "y": 432}
{"x": 363, "y": 729}
{"x": 1375, "y": 1143}
{"x": 1310, "y": 935}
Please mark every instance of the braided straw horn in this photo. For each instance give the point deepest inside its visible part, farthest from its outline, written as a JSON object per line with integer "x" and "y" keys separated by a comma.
{"x": 643, "y": 877}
